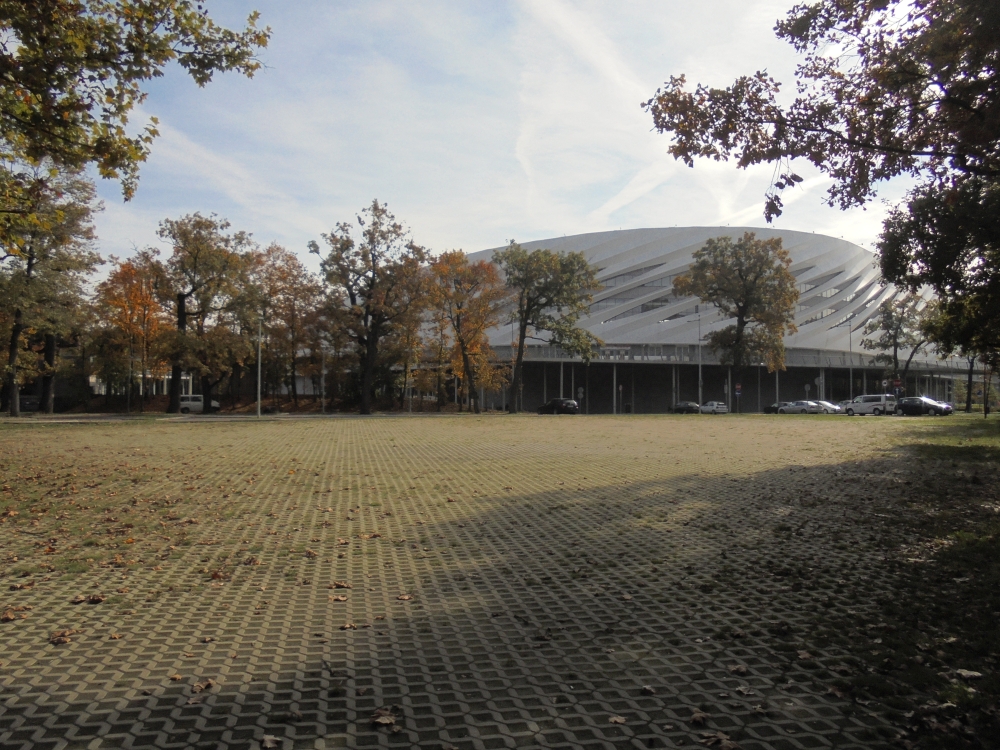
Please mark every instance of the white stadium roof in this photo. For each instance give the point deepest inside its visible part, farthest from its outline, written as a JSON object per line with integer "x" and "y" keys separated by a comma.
{"x": 839, "y": 285}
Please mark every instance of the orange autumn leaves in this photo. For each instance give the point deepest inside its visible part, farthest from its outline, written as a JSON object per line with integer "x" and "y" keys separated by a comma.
{"x": 469, "y": 299}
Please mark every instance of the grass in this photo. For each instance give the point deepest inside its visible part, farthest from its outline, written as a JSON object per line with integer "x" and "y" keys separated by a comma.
{"x": 741, "y": 513}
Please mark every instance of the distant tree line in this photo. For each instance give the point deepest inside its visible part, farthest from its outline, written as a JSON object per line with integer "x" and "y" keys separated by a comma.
{"x": 382, "y": 318}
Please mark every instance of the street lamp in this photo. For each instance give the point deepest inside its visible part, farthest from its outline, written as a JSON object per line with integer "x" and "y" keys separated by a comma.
{"x": 259, "y": 324}
{"x": 697, "y": 309}
{"x": 850, "y": 359}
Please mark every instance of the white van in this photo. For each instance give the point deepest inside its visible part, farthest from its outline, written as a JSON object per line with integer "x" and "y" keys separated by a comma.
{"x": 882, "y": 403}
{"x": 195, "y": 404}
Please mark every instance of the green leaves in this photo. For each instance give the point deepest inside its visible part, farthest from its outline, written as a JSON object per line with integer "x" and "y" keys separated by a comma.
{"x": 747, "y": 280}
{"x": 74, "y": 69}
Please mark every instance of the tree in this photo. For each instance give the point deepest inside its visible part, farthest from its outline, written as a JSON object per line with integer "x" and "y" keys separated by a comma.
{"x": 200, "y": 280}
{"x": 293, "y": 298}
{"x": 749, "y": 282}
{"x": 43, "y": 273}
{"x": 74, "y": 70}
{"x": 380, "y": 277}
{"x": 472, "y": 297}
{"x": 885, "y": 88}
{"x": 129, "y": 299}
{"x": 956, "y": 325}
{"x": 550, "y": 292}
{"x": 898, "y": 325}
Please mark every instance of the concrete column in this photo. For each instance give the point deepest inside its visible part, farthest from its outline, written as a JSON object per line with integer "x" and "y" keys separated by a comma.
{"x": 561, "y": 380}
{"x": 614, "y": 388}
{"x": 545, "y": 383}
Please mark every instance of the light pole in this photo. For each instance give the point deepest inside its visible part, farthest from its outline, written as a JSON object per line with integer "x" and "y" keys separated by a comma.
{"x": 322, "y": 381}
{"x": 850, "y": 358}
{"x": 697, "y": 309}
{"x": 259, "y": 324}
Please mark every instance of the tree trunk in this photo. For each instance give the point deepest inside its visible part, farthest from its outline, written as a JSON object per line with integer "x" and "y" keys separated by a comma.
{"x": 49, "y": 380}
{"x": 174, "y": 407}
{"x": 470, "y": 379}
{"x": 440, "y": 388}
{"x": 368, "y": 373}
{"x": 968, "y": 389}
{"x": 515, "y": 383}
{"x": 906, "y": 368}
{"x": 13, "y": 391}
{"x": 295, "y": 386}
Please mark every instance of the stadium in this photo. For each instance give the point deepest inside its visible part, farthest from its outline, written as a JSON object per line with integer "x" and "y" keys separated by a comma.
{"x": 651, "y": 352}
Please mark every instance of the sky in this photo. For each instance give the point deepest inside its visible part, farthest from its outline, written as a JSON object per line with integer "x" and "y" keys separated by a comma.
{"x": 476, "y": 122}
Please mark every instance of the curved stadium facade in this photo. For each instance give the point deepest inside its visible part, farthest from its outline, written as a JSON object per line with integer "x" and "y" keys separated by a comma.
{"x": 651, "y": 350}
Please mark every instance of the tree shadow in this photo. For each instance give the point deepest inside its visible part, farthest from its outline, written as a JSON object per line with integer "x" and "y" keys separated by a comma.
{"x": 687, "y": 606}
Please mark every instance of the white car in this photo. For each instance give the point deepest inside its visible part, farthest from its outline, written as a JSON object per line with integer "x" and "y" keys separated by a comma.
{"x": 714, "y": 407}
{"x": 830, "y": 408}
{"x": 195, "y": 404}
{"x": 882, "y": 403}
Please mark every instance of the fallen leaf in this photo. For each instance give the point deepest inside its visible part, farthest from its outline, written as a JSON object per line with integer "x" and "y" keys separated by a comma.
{"x": 738, "y": 669}
{"x": 404, "y": 597}
{"x": 207, "y": 639}
{"x": 337, "y": 598}
{"x": 115, "y": 637}
{"x": 699, "y": 717}
{"x": 342, "y": 541}
{"x": 349, "y": 626}
{"x": 200, "y": 686}
{"x": 176, "y": 677}
{"x": 60, "y": 637}
{"x": 8, "y": 616}
{"x": 805, "y": 655}
{"x": 617, "y": 719}
{"x": 270, "y": 742}
{"x": 967, "y": 674}
{"x": 96, "y": 598}
{"x": 311, "y": 553}
{"x": 648, "y": 690}
{"x": 718, "y": 738}
{"x": 384, "y": 716}
{"x": 194, "y": 699}
{"x": 340, "y": 585}
{"x": 627, "y": 597}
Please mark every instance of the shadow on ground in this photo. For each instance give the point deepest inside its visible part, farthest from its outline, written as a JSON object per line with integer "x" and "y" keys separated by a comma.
{"x": 845, "y": 606}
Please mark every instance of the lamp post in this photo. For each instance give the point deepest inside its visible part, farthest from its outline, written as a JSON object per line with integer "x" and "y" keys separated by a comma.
{"x": 850, "y": 358}
{"x": 259, "y": 325}
{"x": 697, "y": 309}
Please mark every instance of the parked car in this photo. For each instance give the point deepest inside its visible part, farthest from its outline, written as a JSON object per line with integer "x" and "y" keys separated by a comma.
{"x": 773, "y": 408}
{"x": 919, "y": 405}
{"x": 559, "y": 406}
{"x": 801, "y": 407}
{"x": 196, "y": 404}
{"x": 830, "y": 408}
{"x": 881, "y": 403}
{"x": 714, "y": 407}
{"x": 686, "y": 407}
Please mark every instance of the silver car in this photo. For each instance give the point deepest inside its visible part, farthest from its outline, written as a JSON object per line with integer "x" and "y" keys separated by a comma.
{"x": 801, "y": 407}
{"x": 828, "y": 407}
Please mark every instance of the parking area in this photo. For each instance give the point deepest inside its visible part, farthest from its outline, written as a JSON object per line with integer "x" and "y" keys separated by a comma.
{"x": 463, "y": 582}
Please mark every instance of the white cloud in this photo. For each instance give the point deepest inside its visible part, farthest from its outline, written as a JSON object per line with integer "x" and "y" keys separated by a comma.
{"x": 476, "y": 122}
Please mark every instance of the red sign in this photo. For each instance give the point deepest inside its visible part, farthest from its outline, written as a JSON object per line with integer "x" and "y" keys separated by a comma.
{"x": 896, "y": 382}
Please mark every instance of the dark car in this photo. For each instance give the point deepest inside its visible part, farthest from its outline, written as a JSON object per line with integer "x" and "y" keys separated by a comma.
{"x": 559, "y": 406}
{"x": 919, "y": 405}
{"x": 773, "y": 408}
{"x": 686, "y": 407}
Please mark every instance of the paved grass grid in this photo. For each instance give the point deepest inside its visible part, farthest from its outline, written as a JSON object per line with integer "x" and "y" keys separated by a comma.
{"x": 490, "y": 582}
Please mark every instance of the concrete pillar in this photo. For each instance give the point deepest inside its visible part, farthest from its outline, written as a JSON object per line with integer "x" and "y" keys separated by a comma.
{"x": 561, "y": 380}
